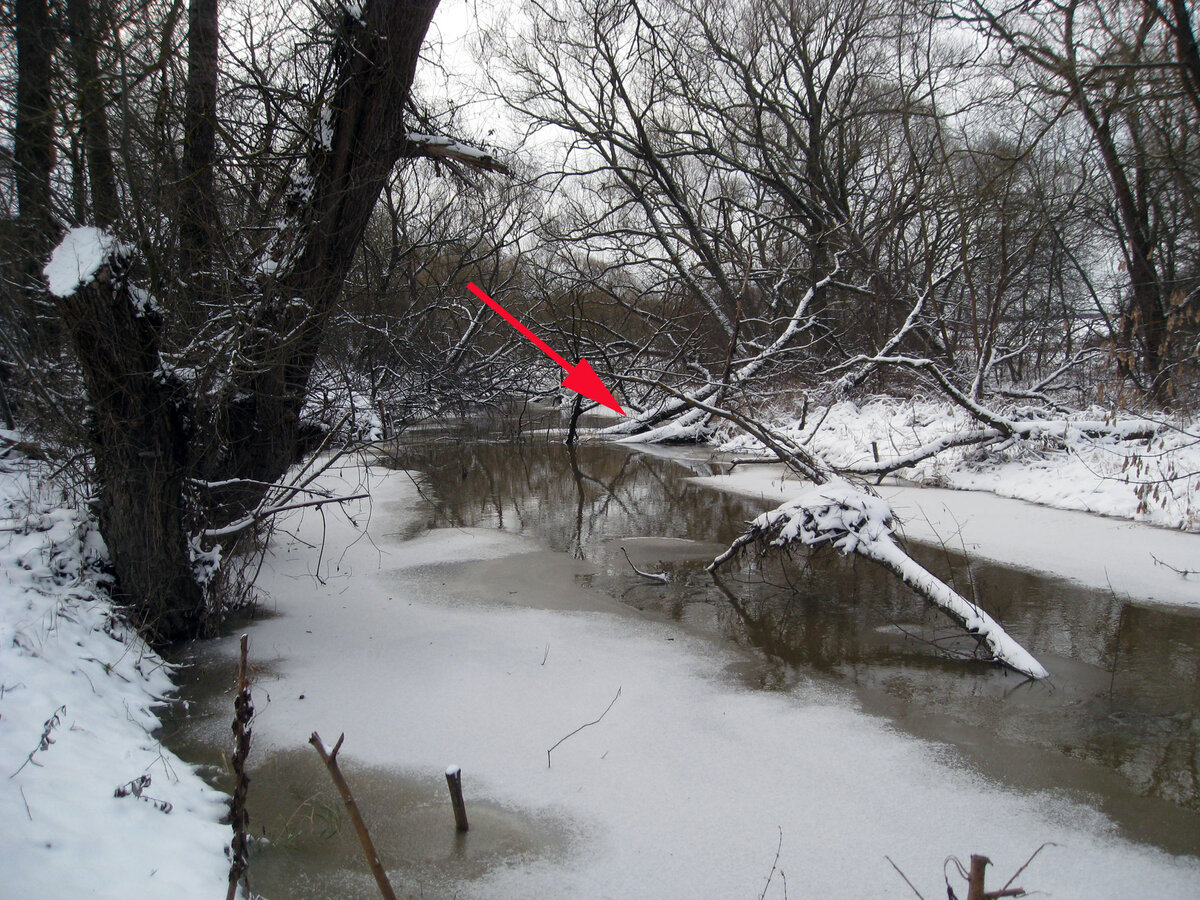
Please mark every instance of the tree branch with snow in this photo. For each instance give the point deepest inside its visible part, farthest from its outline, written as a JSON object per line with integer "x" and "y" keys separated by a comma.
{"x": 853, "y": 521}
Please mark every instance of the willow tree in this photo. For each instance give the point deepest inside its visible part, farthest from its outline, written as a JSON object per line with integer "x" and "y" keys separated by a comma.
{"x": 183, "y": 462}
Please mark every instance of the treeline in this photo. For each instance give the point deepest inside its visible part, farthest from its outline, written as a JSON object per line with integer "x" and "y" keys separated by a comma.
{"x": 1002, "y": 199}
{"x": 720, "y": 204}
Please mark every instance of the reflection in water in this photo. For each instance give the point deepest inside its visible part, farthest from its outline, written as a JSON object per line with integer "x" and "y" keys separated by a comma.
{"x": 1125, "y": 691}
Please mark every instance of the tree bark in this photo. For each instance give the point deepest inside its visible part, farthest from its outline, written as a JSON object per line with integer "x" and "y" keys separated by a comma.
{"x": 93, "y": 114}
{"x": 140, "y": 436}
{"x": 198, "y": 212}
{"x": 33, "y": 137}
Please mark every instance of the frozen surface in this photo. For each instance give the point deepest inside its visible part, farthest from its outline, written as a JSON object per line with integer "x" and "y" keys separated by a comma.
{"x": 77, "y": 698}
{"x": 688, "y": 784}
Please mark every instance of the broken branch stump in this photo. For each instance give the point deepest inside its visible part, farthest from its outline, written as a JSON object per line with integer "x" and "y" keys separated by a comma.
{"x": 454, "y": 780}
{"x": 975, "y": 882}
{"x": 364, "y": 837}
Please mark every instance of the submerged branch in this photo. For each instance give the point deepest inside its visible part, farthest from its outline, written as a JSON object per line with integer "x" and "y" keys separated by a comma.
{"x": 653, "y": 576}
{"x": 364, "y": 837}
{"x": 837, "y": 513}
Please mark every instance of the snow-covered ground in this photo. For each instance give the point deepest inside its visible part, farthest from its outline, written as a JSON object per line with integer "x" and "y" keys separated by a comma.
{"x": 1155, "y": 481}
{"x": 77, "y": 699}
{"x": 689, "y": 783}
{"x": 686, "y": 787}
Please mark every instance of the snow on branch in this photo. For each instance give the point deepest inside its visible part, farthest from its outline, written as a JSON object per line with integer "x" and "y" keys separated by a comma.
{"x": 692, "y": 423}
{"x": 853, "y": 521}
{"x": 266, "y": 512}
{"x": 1063, "y": 431}
{"x": 438, "y": 147}
{"x": 80, "y": 256}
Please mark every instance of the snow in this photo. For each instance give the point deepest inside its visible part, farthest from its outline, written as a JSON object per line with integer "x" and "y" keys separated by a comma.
{"x": 1093, "y": 550}
{"x": 77, "y": 699}
{"x": 836, "y": 512}
{"x": 1155, "y": 481}
{"x": 78, "y": 257}
{"x": 449, "y": 144}
{"x": 690, "y": 781}
{"x": 325, "y": 119}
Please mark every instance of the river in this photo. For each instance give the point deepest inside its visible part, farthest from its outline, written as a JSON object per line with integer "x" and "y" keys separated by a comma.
{"x": 1115, "y": 727}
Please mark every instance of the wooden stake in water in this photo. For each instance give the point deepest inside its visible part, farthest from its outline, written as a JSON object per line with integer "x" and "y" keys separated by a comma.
{"x": 364, "y": 837}
{"x": 454, "y": 780}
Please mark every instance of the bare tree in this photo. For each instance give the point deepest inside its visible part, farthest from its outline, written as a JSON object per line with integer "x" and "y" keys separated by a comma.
{"x": 1126, "y": 70}
{"x": 178, "y": 455}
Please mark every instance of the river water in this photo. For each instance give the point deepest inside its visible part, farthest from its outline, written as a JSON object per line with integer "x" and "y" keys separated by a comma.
{"x": 1116, "y": 725}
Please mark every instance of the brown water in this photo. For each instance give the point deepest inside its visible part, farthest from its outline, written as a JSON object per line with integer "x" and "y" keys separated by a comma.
{"x": 1117, "y": 722}
{"x": 1115, "y": 726}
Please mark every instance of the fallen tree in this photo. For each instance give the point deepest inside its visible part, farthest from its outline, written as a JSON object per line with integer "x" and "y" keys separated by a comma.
{"x": 853, "y": 521}
{"x": 836, "y": 512}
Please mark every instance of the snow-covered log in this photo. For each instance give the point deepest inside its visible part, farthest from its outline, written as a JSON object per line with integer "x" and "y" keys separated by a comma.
{"x": 853, "y": 521}
{"x": 447, "y": 149}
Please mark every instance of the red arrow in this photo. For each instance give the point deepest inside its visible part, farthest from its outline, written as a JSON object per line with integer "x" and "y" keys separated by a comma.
{"x": 580, "y": 377}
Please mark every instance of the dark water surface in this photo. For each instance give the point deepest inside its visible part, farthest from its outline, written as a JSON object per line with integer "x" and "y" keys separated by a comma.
{"x": 1115, "y": 726}
{"x": 1117, "y": 723}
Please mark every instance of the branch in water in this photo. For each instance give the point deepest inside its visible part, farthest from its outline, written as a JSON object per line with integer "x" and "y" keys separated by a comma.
{"x": 837, "y": 513}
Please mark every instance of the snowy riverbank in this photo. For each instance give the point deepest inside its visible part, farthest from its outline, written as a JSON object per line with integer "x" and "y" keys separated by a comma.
{"x": 1154, "y": 480}
{"x": 1136, "y": 560}
{"x": 685, "y": 788}
{"x": 77, "y": 699}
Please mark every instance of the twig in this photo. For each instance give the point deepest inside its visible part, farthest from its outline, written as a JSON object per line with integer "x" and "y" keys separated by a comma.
{"x": 44, "y": 744}
{"x": 581, "y": 727}
{"x": 905, "y": 877}
{"x": 1184, "y": 572}
{"x": 661, "y": 578}
{"x": 774, "y": 865}
{"x": 364, "y": 837}
{"x": 1027, "y": 862}
{"x": 765, "y": 461}
{"x": 137, "y": 788}
{"x": 256, "y": 517}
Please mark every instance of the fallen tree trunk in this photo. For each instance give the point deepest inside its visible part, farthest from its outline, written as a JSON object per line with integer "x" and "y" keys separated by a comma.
{"x": 853, "y": 521}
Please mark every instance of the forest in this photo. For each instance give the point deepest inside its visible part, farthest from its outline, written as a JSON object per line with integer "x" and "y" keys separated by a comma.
{"x": 732, "y": 211}
{"x": 236, "y": 240}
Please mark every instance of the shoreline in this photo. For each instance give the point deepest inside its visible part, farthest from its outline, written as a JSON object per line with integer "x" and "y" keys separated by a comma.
{"x": 1060, "y": 542}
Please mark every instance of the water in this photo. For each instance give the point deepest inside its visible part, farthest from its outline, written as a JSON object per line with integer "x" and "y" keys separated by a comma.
{"x": 1116, "y": 726}
{"x": 1118, "y": 720}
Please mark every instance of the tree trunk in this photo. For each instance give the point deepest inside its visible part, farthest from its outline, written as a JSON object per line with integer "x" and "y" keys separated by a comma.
{"x": 1187, "y": 50}
{"x": 139, "y": 432}
{"x": 146, "y": 453}
{"x": 93, "y": 114}
{"x": 379, "y": 53}
{"x": 33, "y": 137}
{"x": 197, "y": 207}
